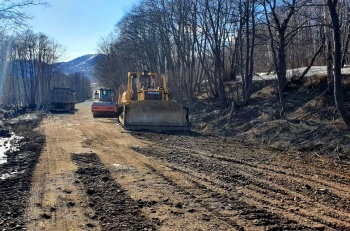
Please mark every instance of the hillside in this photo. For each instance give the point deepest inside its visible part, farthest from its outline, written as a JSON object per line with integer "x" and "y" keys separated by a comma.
{"x": 312, "y": 123}
{"x": 83, "y": 64}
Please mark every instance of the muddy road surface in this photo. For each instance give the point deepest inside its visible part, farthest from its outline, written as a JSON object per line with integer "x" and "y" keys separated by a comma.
{"x": 94, "y": 175}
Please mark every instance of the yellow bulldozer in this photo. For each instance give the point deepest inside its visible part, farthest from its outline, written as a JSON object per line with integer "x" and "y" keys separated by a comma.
{"x": 144, "y": 105}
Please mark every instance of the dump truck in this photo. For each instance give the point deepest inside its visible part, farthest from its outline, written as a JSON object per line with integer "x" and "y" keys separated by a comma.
{"x": 62, "y": 99}
{"x": 144, "y": 105}
{"x": 106, "y": 105}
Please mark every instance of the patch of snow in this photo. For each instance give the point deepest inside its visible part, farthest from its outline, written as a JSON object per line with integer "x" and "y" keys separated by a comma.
{"x": 298, "y": 71}
{"x": 8, "y": 175}
{"x": 123, "y": 167}
{"x": 7, "y": 144}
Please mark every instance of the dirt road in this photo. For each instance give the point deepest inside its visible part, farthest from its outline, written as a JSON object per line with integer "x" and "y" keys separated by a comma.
{"x": 93, "y": 175}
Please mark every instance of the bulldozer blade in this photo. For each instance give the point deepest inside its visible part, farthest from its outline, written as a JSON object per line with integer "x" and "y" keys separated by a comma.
{"x": 155, "y": 115}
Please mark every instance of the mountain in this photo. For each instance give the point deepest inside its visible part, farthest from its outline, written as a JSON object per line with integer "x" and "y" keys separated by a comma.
{"x": 83, "y": 64}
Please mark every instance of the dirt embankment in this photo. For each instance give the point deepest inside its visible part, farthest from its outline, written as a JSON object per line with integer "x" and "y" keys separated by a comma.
{"x": 311, "y": 123}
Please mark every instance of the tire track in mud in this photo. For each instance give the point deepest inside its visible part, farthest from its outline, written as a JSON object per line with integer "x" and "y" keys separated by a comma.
{"x": 113, "y": 207}
{"x": 281, "y": 191}
{"x": 206, "y": 206}
{"x": 254, "y": 196}
{"x": 313, "y": 187}
{"x": 228, "y": 207}
{"x": 323, "y": 177}
{"x": 302, "y": 188}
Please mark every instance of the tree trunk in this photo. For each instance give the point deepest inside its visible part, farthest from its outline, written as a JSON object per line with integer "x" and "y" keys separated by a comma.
{"x": 329, "y": 51}
{"x": 281, "y": 73}
{"x": 338, "y": 95}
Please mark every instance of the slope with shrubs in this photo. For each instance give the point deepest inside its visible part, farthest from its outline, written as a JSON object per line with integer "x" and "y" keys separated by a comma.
{"x": 311, "y": 125}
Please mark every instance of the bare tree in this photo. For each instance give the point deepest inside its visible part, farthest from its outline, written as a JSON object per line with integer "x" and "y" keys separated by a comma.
{"x": 116, "y": 60}
{"x": 338, "y": 95}
{"x": 279, "y": 52}
{"x": 47, "y": 55}
{"x": 329, "y": 50}
{"x": 12, "y": 14}
{"x": 279, "y": 15}
{"x": 12, "y": 18}
{"x": 249, "y": 20}
{"x": 345, "y": 24}
{"x": 32, "y": 59}
{"x": 81, "y": 85}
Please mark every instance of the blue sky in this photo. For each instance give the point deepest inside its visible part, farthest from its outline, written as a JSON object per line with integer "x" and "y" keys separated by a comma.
{"x": 78, "y": 25}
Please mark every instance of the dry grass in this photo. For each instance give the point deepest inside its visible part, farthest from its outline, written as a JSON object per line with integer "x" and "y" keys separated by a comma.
{"x": 312, "y": 123}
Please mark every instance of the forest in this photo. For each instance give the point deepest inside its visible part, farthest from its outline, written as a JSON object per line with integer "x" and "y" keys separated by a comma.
{"x": 200, "y": 45}
{"x": 211, "y": 42}
{"x": 29, "y": 61}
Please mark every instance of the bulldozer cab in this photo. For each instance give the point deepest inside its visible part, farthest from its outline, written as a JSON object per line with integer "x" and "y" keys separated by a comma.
{"x": 142, "y": 86}
{"x": 147, "y": 81}
{"x": 134, "y": 90}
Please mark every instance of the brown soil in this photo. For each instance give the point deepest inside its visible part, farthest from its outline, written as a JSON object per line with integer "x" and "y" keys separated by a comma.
{"x": 246, "y": 169}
